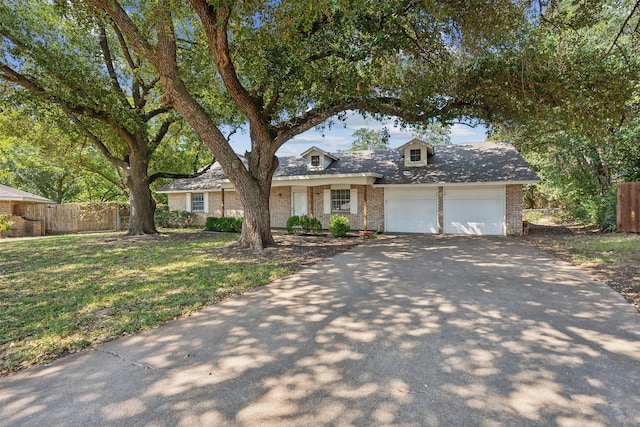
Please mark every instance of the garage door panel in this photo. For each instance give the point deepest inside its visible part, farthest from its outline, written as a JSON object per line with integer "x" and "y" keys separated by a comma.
{"x": 477, "y": 211}
{"x": 475, "y": 194}
{"x": 411, "y": 211}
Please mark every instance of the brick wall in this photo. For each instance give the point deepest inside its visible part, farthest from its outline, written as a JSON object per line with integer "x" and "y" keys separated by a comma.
{"x": 375, "y": 207}
{"x": 280, "y": 206}
{"x": 25, "y": 228}
{"x": 177, "y": 202}
{"x": 514, "y": 210}
{"x": 232, "y": 205}
{"x": 215, "y": 204}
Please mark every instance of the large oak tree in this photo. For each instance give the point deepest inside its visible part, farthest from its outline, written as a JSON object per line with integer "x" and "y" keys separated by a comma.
{"x": 81, "y": 65}
{"x": 288, "y": 66}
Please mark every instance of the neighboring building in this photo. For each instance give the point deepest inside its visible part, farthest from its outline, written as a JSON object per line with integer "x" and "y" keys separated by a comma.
{"x": 416, "y": 188}
{"x": 14, "y": 202}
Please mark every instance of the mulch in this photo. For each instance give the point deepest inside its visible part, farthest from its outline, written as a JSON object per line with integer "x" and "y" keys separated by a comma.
{"x": 292, "y": 251}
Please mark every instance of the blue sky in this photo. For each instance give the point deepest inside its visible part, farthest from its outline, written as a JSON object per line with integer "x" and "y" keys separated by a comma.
{"x": 338, "y": 137}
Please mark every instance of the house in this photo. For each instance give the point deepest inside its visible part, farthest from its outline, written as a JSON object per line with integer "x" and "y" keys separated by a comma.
{"x": 416, "y": 188}
{"x": 15, "y": 202}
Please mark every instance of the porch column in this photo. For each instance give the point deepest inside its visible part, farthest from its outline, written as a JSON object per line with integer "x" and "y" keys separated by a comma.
{"x": 310, "y": 200}
{"x": 365, "y": 208}
{"x": 222, "y": 204}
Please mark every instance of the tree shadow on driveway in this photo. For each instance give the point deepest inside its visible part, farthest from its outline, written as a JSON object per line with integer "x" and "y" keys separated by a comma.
{"x": 402, "y": 330}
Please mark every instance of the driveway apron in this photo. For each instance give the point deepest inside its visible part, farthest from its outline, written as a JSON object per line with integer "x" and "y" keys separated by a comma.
{"x": 402, "y": 330}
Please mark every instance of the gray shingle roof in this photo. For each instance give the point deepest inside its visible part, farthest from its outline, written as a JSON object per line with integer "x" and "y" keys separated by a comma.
{"x": 13, "y": 194}
{"x": 483, "y": 162}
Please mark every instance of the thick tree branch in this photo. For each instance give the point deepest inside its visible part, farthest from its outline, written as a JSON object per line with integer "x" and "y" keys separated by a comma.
{"x": 9, "y": 74}
{"x": 123, "y": 46}
{"x": 382, "y": 105}
{"x": 100, "y": 172}
{"x": 146, "y": 88}
{"x": 153, "y": 113}
{"x": 97, "y": 142}
{"x": 159, "y": 175}
{"x": 623, "y": 26}
{"x": 160, "y": 134}
{"x": 215, "y": 22}
{"x": 124, "y": 22}
{"x": 108, "y": 60}
{"x": 312, "y": 118}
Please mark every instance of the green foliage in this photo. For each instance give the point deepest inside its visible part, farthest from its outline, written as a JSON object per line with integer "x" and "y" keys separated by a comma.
{"x": 295, "y": 65}
{"x": 576, "y": 119}
{"x": 39, "y": 157}
{"x": 310, "y": 224}
{"x": 433, "y": 133}
{"x": 166, "y": 218}
{"x": 369, "y": 139}
{"x": 5, "y": 223}
{"x": 225, "y": 224}
{"x": 293, "y": 225}
{"x": 303, "y": 224}
{"x": 338, "y": 226}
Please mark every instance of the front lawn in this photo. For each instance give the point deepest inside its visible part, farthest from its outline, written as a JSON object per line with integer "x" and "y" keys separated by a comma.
{"x": 59, "y": 294}
{"x": 613, "y": 258}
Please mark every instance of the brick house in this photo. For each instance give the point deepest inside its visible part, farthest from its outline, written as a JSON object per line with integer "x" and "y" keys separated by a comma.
{"x": 13, "y": 202}
{"x": 416, "y": 188}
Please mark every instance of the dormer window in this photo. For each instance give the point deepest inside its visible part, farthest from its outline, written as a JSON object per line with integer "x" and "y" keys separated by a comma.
{"x": 318, "y": 160}
{"x": 415, "y": 154}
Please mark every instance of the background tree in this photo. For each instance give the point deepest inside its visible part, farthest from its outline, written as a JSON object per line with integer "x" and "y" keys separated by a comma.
{"x": 433, "y": 133}
{"x": 57, "y": 57}
{"x": 576, "y": 121}
{"x": 289, "y": 66}
{"x": 369, "y": 139}
{"x": 37, "y": 157}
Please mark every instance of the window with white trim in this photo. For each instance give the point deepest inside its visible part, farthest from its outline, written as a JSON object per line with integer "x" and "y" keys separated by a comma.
{"x": 340, "y": 200}
{"x": 197, "y": 202}
{"x": 315, "y": 161}
{"x": 415, "y": 154}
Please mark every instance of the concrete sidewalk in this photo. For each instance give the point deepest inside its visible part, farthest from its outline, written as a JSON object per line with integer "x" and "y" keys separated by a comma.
{"x": 403, "y": 330}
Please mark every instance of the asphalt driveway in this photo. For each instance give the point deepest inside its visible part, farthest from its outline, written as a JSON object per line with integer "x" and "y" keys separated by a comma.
{"x": 403, "y": 330}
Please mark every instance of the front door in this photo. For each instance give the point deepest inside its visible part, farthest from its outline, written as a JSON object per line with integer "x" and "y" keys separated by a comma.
{"x": 298, "y": 203}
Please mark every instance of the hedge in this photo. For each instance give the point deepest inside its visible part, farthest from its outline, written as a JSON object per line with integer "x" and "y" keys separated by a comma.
{"x": 227, "y": 224}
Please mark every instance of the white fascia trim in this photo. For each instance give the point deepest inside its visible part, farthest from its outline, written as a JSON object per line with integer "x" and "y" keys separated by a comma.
{"x": 459, "y": 184}
{"x": 27, "y": 199}
{"x": 337, "y": 176}
{"x": 199, "y": 190}
{"x": 367, "y": 178}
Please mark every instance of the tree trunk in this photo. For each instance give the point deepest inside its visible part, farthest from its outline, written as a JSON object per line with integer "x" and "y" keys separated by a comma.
{"x": 256, "y": 226}
{"x": 143, "y": 207}
{"x": 253, "y": 190}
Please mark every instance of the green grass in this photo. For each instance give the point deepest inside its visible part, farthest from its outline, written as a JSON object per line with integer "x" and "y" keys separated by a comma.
{"x": 59, "y": 294}
{"x": 614, "y": 249}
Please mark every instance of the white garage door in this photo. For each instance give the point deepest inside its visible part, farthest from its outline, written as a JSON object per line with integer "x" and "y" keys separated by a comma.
{"x": 474, "y": 211}
{"x": 411, "y": 210}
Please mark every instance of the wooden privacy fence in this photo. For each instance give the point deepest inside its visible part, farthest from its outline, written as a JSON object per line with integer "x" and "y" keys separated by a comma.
{"x": 628, "y": 218}
{"x": 76, "y": 217}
